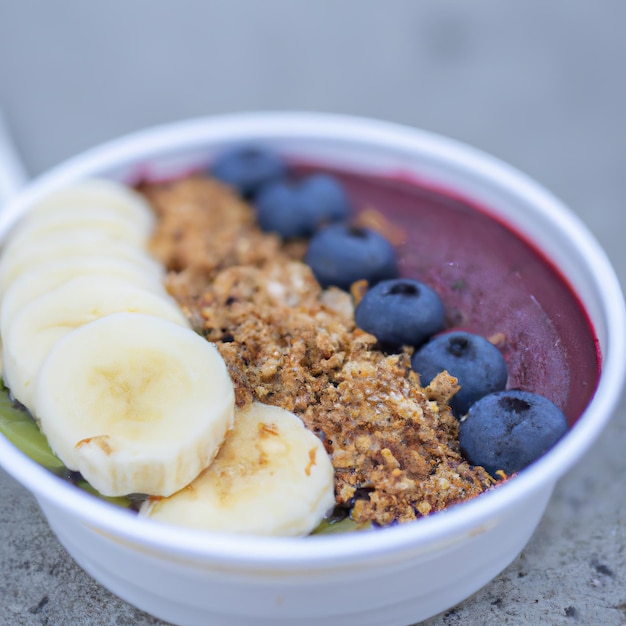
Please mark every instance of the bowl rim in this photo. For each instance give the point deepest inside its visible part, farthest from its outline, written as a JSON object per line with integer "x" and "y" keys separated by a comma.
{"x": 345, "y": 549}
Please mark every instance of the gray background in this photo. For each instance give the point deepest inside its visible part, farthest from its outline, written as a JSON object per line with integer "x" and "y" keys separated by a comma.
{"x": 539, "y": 84}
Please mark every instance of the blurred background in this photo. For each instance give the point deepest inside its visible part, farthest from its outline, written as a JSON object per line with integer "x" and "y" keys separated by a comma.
{"x": 538, "y": 84}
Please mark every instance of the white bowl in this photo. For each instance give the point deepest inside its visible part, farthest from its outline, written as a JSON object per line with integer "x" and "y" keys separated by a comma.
{"x": 398, "y": 575}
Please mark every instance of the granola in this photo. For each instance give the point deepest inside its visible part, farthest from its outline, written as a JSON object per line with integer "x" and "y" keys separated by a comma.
{"x": 287, "y": 342}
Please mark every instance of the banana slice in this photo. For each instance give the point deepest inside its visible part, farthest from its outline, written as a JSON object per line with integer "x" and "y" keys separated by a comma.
{"x": 45, "y": 320}
{"x": 135, "y": 403}
{"x": 73, "y": 244}
{"x": 43, "y": 279}
{"x": 35, "y": 228}
{"x": 96, "y": 193}
{"x": 272, "y": 476}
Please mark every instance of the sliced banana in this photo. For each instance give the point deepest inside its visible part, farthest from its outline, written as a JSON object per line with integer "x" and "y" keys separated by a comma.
{"x": 43, "y": 279}
{"x": 135, "y": 403}
{"x": 272, "y": 476}
{"x": 96, "y": 193}
{"x": 75, "y": 244}
{"x": 40, "y": 324}
{"x": 33, "y": 229}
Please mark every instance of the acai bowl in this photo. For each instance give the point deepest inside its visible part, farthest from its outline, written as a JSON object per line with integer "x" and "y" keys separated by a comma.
{"x": 396, "y": 575}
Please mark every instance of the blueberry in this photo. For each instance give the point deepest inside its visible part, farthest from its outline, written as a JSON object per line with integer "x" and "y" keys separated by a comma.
{"x": 299, "y": 209}
{"x": 508, "y": 430}
{"x": 341, "y": 254}
{"x": 248, "y": 168}
{"x": 477, "y": 364}
{"x": 400, "y": 312}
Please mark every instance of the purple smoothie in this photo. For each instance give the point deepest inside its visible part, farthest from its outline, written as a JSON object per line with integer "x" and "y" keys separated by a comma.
{"x": 492, "y": 282}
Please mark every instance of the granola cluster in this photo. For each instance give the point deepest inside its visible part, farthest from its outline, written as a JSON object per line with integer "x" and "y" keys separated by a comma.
{"x": 393, "y": 444}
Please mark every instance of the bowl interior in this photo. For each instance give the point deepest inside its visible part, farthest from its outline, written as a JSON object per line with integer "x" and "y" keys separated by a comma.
{"x": 383, "y": 149}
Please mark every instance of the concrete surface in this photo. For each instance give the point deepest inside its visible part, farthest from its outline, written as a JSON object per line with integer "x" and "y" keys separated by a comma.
{"x": 538, "y": 84}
